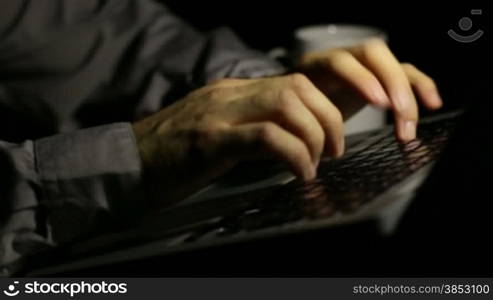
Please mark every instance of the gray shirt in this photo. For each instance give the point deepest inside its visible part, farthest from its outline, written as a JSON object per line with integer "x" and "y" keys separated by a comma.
{"x": 73, "y": 74}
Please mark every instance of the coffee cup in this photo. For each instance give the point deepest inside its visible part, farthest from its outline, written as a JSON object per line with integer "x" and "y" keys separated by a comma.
{"x": 329, "y": 36}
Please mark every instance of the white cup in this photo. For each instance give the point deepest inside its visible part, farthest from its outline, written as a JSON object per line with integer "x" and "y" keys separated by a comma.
{"x": 324, "y": 37}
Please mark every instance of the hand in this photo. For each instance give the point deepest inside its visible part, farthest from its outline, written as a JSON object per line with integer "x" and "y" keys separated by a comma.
{"x": 370, "y": 73}
{"x": 184, "y": 146}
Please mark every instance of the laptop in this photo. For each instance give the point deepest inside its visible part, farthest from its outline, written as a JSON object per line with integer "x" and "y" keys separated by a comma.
{"x": 375, "y": 181}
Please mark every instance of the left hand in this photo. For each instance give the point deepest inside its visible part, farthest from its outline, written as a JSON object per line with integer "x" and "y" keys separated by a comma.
{"x": 373, "y": 74}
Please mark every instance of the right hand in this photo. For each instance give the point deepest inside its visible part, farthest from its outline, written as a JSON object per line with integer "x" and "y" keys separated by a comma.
{"x": 186, "y": 145}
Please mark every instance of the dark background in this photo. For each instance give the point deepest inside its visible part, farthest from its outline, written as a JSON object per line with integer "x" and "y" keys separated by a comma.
{"x": 417, "y": 31}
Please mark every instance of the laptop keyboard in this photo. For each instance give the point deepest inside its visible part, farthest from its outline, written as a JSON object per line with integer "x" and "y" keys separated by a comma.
{"x": 344, "y": 185}
{"x": 341, "y": 186}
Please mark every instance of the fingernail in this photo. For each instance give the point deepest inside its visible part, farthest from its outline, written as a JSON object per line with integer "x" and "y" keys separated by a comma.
{"x": 407, "y": 130}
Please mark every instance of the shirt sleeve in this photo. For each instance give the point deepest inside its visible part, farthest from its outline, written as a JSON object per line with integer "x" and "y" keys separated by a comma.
{"x": 71, "y": 54}
{"x": 135, "y": 53}
{"x": 197, "y": 57}
{"x": 67, "y": 186}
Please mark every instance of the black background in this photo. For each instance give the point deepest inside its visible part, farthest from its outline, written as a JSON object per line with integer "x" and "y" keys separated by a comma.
{"x": 417, "y": 31}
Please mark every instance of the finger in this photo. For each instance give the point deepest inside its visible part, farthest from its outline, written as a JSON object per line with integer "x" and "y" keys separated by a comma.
{"x": 377, "y": 57}
{"x": 269, "y": 140}
{"x": 344, "y": 65}
{"x": 288, "y": 111}
{"x": 226, "y": 82}
{"x": 327, "y": 114}
{"x": 424, "y": 86}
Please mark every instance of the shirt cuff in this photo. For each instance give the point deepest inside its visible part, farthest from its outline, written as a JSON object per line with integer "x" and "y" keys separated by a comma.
{"x": 226, "y": 56}
{"x": 90, "y": 180}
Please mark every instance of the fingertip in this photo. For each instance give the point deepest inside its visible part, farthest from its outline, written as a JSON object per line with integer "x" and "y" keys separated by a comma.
{"x": 429, "y": 96}
{"x": 309, "y": 173}
{"x": 431, "y": 99}
{"x": 406, "y": 130}
{"x": 435, "y": 100}
{"x": 435, "y": 105}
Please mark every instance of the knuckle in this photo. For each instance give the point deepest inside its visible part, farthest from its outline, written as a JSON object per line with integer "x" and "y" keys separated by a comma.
{"x": 336, "y": 120}
{"x": 285, "y": 102}
{"x": 338, "y": 55}
{"x": 320, "y": 140}
{"x": 200, "y": 141}
{"x": 299, "y": 81}
{"x": 336, "y": 116}
{"x": 203, "y": 136}
{"x": 221, "y": 81}
{"x": 216, "y": 94}
{"x": 266, "y": 133}
{"x": 408, "y": 66}
{"x": 369, "y": 47}
{"x": 315, "y": 137}
{"x": 375, "y": 43}
{"x": 300, "y": 155}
